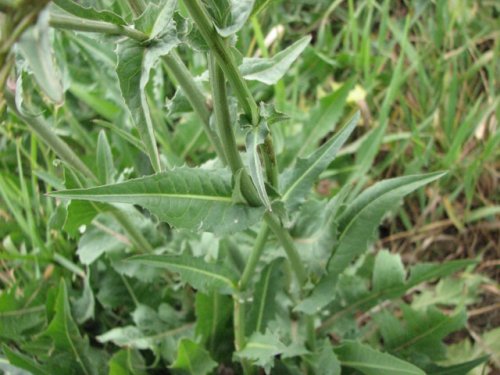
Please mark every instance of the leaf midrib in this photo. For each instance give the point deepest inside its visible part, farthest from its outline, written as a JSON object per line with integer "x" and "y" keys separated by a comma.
{"x": 381, "y": 367}
{"x": 215, "y": 198}
{"x": 158, "y": 263}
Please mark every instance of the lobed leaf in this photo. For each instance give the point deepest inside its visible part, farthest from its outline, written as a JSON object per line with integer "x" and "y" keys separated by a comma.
{"x": 190, "y": 198}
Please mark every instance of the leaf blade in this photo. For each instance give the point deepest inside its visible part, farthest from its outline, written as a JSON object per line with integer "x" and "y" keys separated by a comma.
{"x": 191, "y": 198}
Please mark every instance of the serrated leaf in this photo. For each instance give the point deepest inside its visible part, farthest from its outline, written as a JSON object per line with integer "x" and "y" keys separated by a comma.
{"x": 192, "y": 198}
{"x": 298, "y": 181}
{"x": 359, "y": 222}
{"x": 271, "y": 70}
{"x": 255, "y": 137}
{"x": 90, "y": 13}
{"x": 264, "y": 304}
{"x": 372, "y": 362}
{"x": 135, "y": 62}
{"x": 36, "y": 47}
{"x": 66, "y": 337}
{"x": 324, "y": 117}
{"x": 105, "y": 166}
{"x": 192, "y": 359}
{"x": 195, "y": 271}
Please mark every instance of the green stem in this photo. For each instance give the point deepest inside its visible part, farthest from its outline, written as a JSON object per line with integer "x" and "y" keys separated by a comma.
{"x": 224, "y": 59}
{"x": 195, "y": 97}
{"x": 67, "y": 22}
{"x": 239, "y": 330}
{"x": 287, "y": 242}
{"x": 255, "y": 255}
{"x": 223, "y": 120}
{"x": 174, "y": 64}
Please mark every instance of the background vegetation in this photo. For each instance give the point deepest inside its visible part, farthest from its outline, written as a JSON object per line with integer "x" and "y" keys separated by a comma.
{"x": 424, "y": 75}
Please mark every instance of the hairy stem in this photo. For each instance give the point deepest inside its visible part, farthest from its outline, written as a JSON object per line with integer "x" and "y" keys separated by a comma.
{"x": 68, "y": 22}
{"x": 223, "y": 120}
{"x": 224, "y": 59}
{"x": 287, "y": 242}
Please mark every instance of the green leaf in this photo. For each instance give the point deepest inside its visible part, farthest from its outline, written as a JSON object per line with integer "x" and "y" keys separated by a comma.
{"x": 459, "y": 369}
{"x": 298, "y": 181}
{"x": 192, "y": 359}
{"x": 192, "y": 198}
{"x": 195, "y": 271}
{"x": 372, "y": 362}
{"x": 157, "y": 21}
{"x": 89, "y": 12}
{"x": 135, "y": 62}
{"x": 420, "y": 331}
{"x": 229, "y": 16}
{"x": 324, "y": 361}
{"x": 79, "y": 213}
{"x": 261, "y": 350}
{"x": 213, "y": 316}
{"x": 24, "y": 362}
{"x": 35, "y": 45}
{"x": 324, "y": 117}
{"x": 271, "y": 70}
{"x": 66, "y": 337}
{"x": 127, "y": 362}
{"x": 84, "y": 307}
{"x": 105, "y": 166}
{"x": 359, "y": 222}
{"x": 255, "y": 137}
{"x": 264, "y": 304}
{"x": 388, "y": 271}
